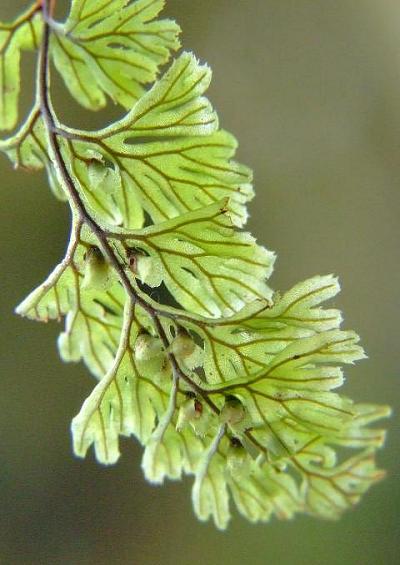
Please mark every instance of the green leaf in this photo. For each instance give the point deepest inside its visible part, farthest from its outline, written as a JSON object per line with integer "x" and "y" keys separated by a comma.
{"x": 168, "y": 153}
{"x": 24, "y": 33}
{"x": 259, "y": 490}
{"x": 201, "y": 256}
{"x": 356, "y": 433}
{"x": 328, "y": 492}
{"x": 265, "y": 492}
{"x": 112, "y": 48}
{"x": 296, "y": 384}
{"x": 245, "y": 343}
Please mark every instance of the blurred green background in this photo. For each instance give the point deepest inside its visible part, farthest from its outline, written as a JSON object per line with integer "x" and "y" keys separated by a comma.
{"x": 312, "y": 91}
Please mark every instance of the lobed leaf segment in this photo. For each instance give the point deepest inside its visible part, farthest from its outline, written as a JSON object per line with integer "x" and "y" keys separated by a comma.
{"x": 214, "y": 374}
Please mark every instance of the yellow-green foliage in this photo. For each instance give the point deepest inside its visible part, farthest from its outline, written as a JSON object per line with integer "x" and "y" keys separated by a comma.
{"x": 216, "y": 376}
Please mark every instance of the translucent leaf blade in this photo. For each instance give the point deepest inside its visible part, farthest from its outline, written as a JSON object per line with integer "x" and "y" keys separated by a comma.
{"x": 265, "y": 492}
{"x": 22, "y": 34}
{"x": 112, "y": 49}
{"x": 245, "y": 343}
{"x": 168, "y": 152}
{"x": 201, "y": 255}
{"x": 328, "y": 493}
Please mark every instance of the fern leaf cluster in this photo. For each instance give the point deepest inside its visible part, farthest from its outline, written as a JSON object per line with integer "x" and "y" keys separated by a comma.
{"x": 165, "y": 298}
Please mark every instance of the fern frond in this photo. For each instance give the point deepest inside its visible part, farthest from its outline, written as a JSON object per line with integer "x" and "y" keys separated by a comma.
{"x": 24, "y": 33}
{"x": 164, "y": 298}
{"x": 113, "y": 49}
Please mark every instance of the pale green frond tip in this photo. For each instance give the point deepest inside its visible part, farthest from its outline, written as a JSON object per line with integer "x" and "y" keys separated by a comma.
{"x": 165, "y": 298}
{"x": 23, "y": 34}
{"x": 112, "y": 49}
